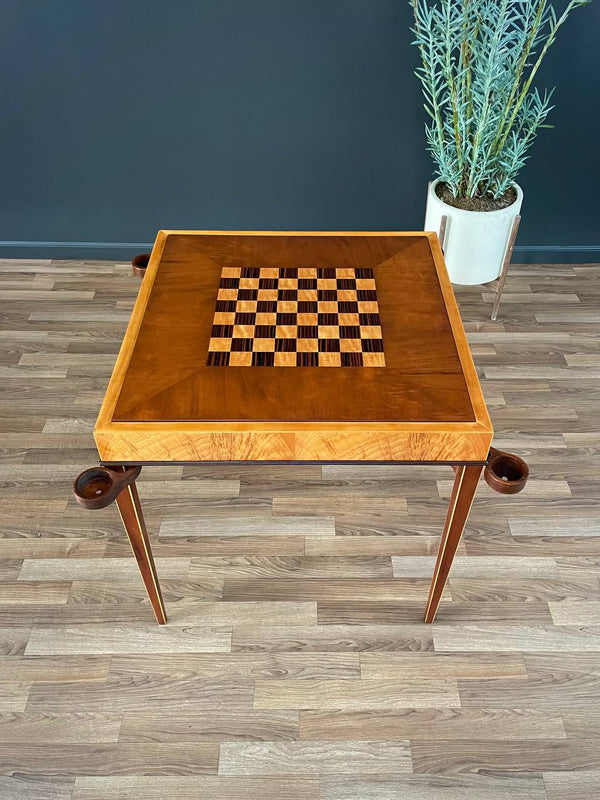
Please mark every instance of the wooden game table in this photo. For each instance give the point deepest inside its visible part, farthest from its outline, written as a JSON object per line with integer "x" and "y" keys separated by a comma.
{"x": 294, "y": 348}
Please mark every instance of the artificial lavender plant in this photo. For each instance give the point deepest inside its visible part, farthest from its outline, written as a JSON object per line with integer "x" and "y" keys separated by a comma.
{"x": 479, "y": 60}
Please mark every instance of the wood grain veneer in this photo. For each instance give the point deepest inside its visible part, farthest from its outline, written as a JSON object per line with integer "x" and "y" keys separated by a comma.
{"x": 165, "y": 404}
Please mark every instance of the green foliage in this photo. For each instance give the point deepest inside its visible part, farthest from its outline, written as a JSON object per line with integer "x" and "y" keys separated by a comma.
{"x": 479, "y": 59}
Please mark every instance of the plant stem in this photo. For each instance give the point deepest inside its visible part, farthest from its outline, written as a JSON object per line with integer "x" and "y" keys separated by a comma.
{"x": 549, "y": 41}
{"x": 452, "y": 85}
{"x": 466, "y": 82}
{"x": 428, "y": 64}
{"x": 471, "y": 189}
{"x": 538, "y": 17}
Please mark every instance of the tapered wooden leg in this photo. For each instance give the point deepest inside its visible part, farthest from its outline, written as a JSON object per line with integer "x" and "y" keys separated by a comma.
{"x": 98, "y": 487}
{"x": 463, "y": 492}
{"x": 130, "y": 509}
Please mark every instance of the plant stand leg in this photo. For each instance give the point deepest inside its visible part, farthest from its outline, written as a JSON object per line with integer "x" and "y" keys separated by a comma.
{"x": 442, "y": 231}
{"x": 465, "y": 485}
{"x": 99, "y": 487}
{"x": 505, "y": 265}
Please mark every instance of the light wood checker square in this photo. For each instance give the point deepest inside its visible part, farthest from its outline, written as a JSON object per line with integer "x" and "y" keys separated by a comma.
{"x": 288, "y": 330}
{"x": 366, "y": 352}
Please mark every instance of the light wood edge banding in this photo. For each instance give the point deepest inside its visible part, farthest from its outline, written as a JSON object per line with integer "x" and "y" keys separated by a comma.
{"x": 460, "y": 337}
{"x": 126, "y": 350}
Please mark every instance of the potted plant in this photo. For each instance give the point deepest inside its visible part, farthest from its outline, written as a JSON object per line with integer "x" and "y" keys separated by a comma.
{"x": 479, "y": 61}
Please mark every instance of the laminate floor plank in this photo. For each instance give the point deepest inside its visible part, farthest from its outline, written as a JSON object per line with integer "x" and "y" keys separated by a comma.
{"x": 557, "y": 690}
{"x": 83, "y": 639}
{"x": 120, "y": 758}
{"x": 197, "y": 490}
{"x": 576, "y": 613}
{"x": 237, "y": 666}
{"x": 551, "y": 662}
{"x": 64, "y": 728}
{"x": 201, "y": 612}
{"x": 579, "y": 786}
{"x": 478, "y": 567}
{"x": 298, "y": 567}
{"x": 35, "y": 788}
{"x": 202, "y": 546}
{"x": 13, "y": 697}
{"x": 432, "y": 787}
{"x": 74, "y": 569}
{"x": 192, "y": 788}
{"x": 310, "y": 758}
{"x": 13, "y": 639}
{"x": 62, "y": 667}
{"x": 213, "y": 507}
{"x": 235, "y": 526}
{"x": 380, "y": 589}
{"x": 578, "y": 526}
{"x": 521, "y": 638}
{"x": 516, "y": 757}
{"x": 342, "y": 507}
{"x": 120, "y": 591}
{"x": 350, "y": 693}
{"x": 526, "y": 590}
{"x": 73, "y": 613}
{"x": 366, "y": 613}
{"x": 337, "y": 491}
{"x": 36, "y": 592}
{"x": 524, "y": 546}
{"x": 330, "y": 638}
{"x": 582, "y": 722}
{"x": 424, "y": 545}
{"x": 432, "y": 723}
{"x": 45, "y": 547}
{"x": 168, "y": 694}
{"x": 210, "y": 726}
{"x": 468, "y": 665}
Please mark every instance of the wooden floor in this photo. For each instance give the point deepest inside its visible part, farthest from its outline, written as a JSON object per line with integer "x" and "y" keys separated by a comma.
{"x": 295, "y": 665}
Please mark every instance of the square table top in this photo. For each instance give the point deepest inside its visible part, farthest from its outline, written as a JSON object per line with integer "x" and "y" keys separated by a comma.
{"x": 294, "y": 346}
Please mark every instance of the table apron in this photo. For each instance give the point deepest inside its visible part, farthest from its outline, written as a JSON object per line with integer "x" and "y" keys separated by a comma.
{"x": 292, "y": 463}
{"x": 121, "y": 445}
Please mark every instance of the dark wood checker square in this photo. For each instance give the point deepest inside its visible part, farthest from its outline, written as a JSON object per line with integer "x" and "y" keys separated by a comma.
{"x": 296, "y": 317}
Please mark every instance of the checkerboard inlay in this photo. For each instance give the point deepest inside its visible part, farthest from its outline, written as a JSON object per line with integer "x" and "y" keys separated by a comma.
{"x": 296, "y": 317}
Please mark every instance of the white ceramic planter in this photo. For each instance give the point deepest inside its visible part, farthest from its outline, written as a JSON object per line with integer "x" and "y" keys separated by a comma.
{"x": 475, "y": 242}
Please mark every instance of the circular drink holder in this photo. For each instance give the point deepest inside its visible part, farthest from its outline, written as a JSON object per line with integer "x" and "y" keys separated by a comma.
{"x": 100, "y": 486}
{"x": 139, "y": 264}
{"x": 505, "y": 473}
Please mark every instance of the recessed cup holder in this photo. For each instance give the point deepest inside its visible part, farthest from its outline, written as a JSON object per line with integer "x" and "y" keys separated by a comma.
{"x": 139, "y": 264}
{"x": 505, "y": 472}
{"x": 100, "y": 486}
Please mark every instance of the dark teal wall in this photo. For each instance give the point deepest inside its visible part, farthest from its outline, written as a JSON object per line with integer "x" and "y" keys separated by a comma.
{"x": 121, "y": 117}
